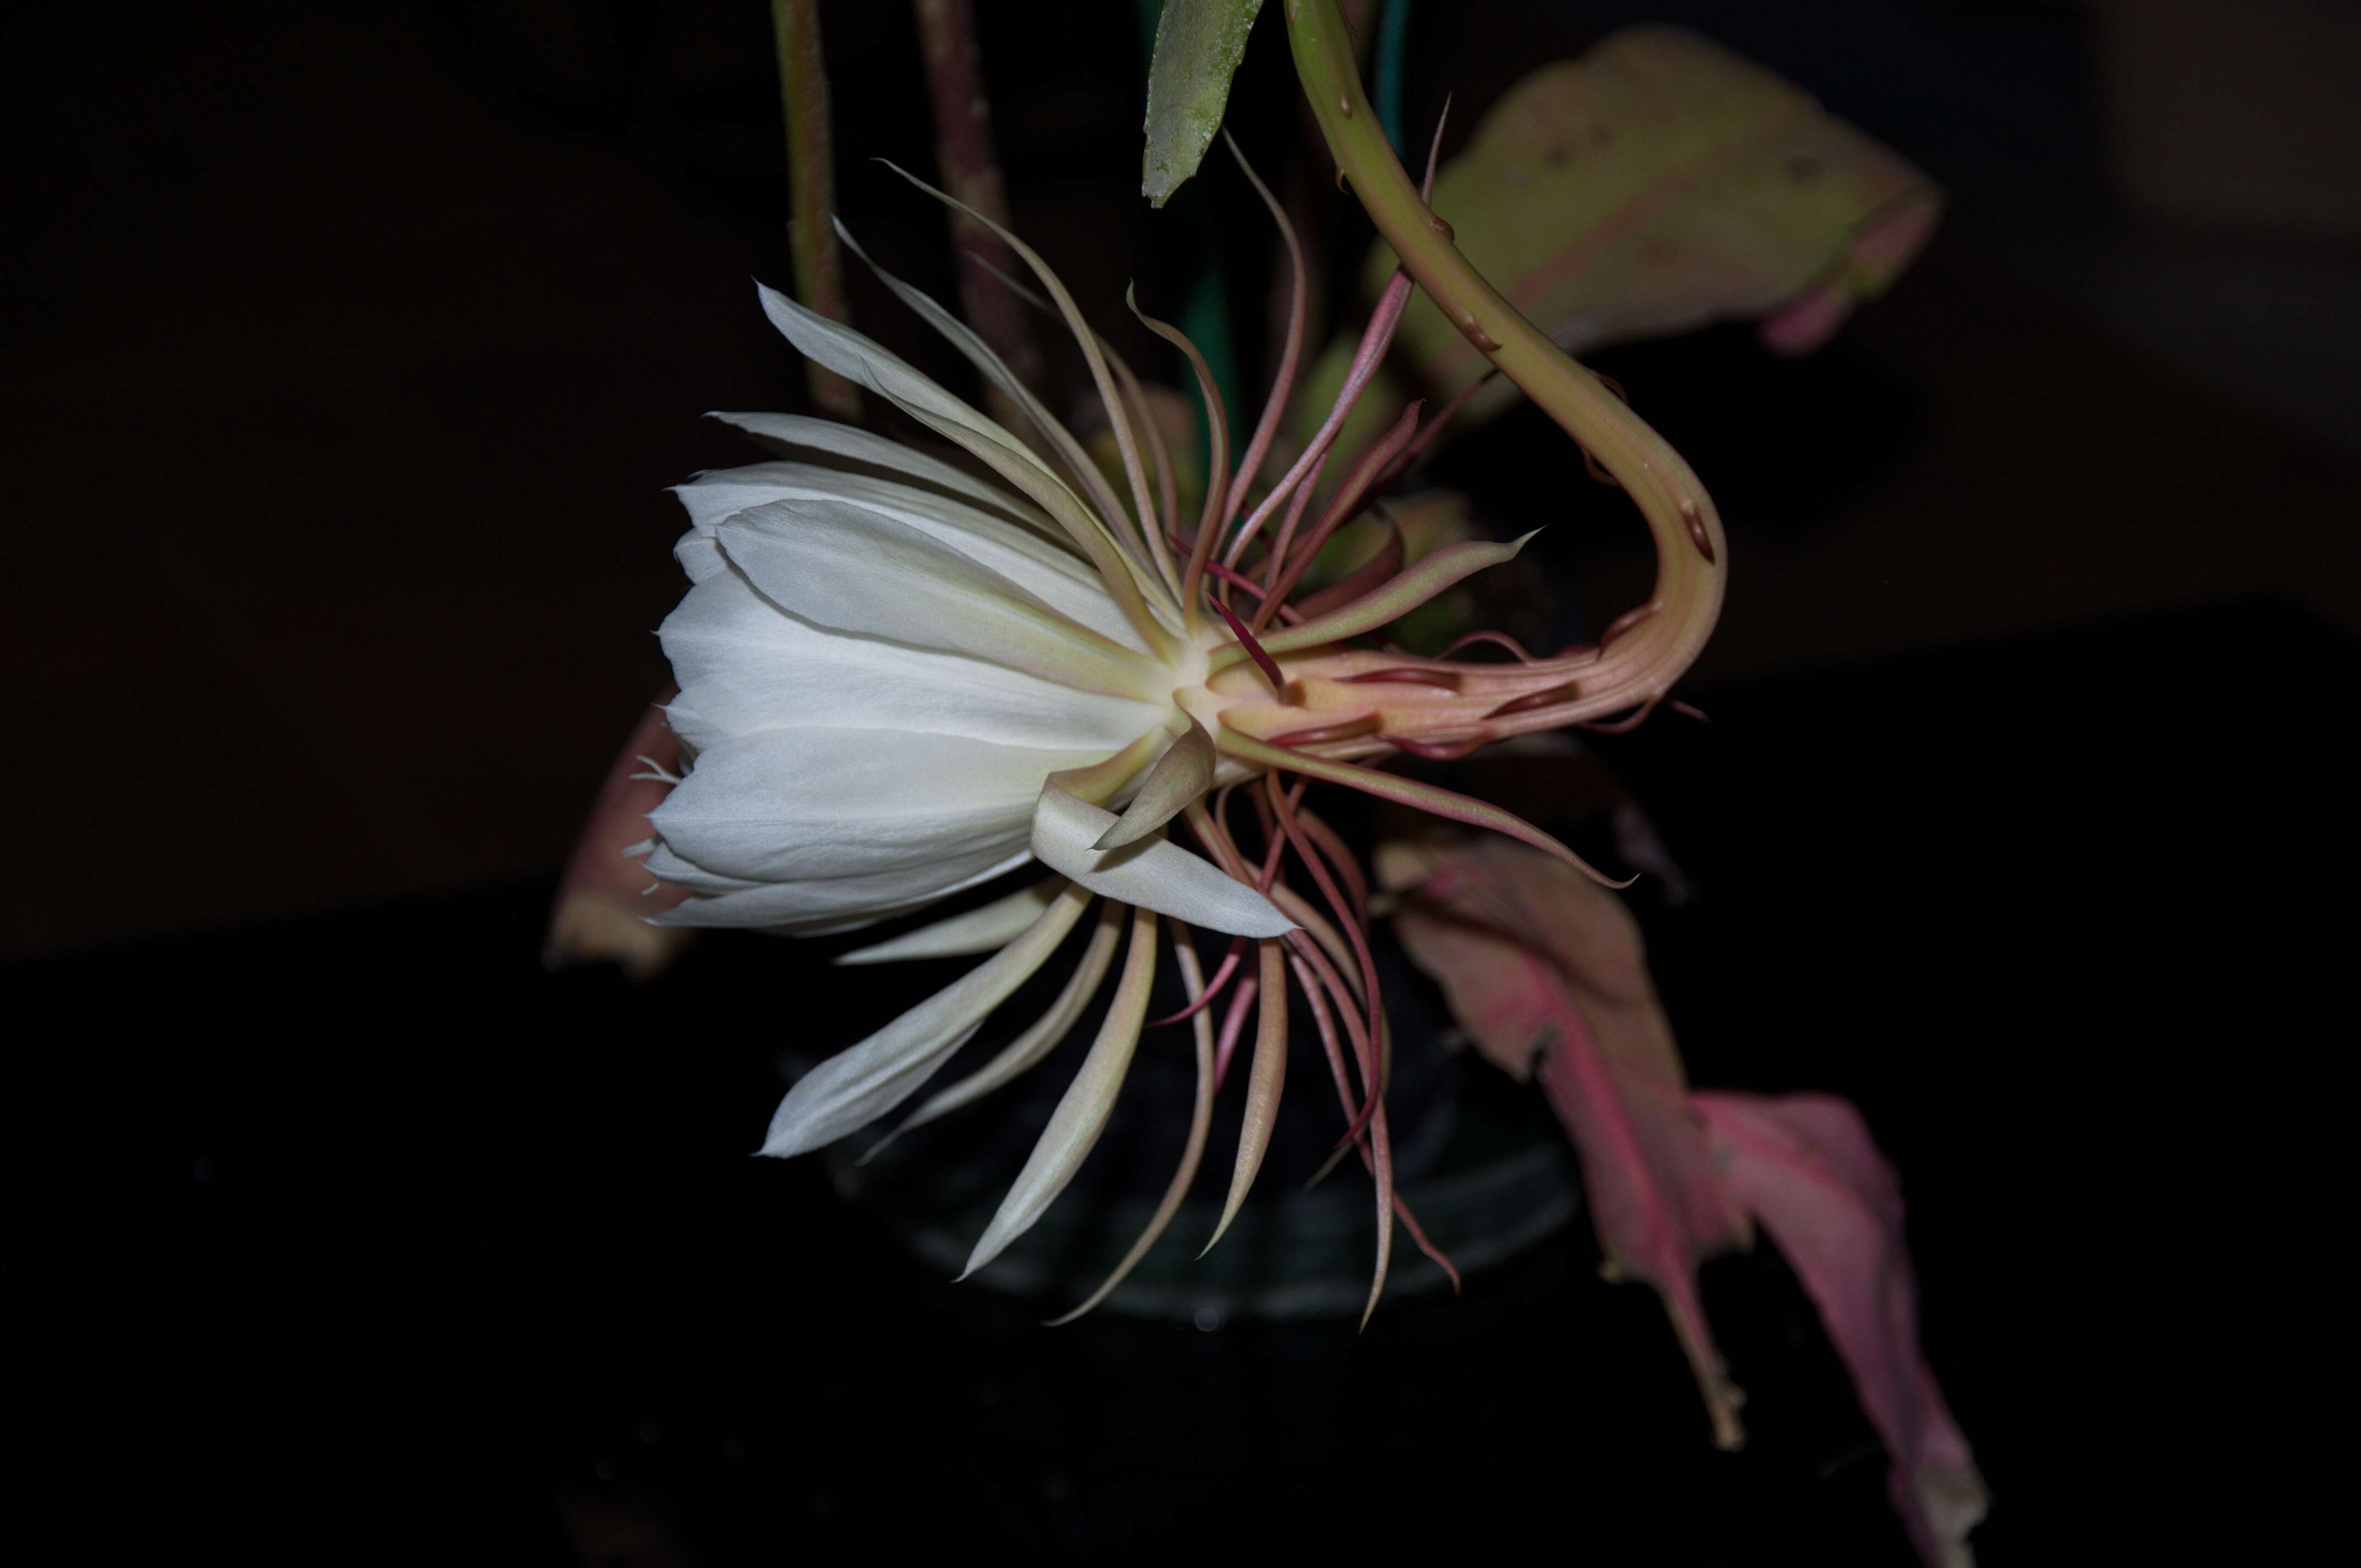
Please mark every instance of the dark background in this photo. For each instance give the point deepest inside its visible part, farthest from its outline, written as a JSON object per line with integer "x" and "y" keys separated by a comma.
{"x": 350, "y": 347}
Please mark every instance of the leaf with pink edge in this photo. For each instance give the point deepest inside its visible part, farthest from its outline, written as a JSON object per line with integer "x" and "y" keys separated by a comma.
{"x": 1806, "y": 1168}
{"x": 1540, "y": 965}
{"x": 1657, "y": 184}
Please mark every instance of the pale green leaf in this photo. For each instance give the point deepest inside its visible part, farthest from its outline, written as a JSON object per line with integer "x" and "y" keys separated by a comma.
{"x": 1198, "y": 46}
{"x": 1656, "y": 184}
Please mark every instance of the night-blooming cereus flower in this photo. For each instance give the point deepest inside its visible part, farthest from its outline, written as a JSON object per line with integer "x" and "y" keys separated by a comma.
{"x": 899, "y": 680}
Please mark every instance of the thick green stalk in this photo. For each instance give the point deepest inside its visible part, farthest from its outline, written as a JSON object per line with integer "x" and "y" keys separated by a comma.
{"x": 1691, "y": 554}
{"x": 812, "y": 176}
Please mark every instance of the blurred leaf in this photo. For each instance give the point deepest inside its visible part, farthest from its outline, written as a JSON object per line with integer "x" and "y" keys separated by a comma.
{"x": 1656, "y": 184}
{"x": 604, "y": 900}
{"x": 1198, "y": 46}
{"x": 1804, "y": 1165}
{"x": 1543, "y": 967}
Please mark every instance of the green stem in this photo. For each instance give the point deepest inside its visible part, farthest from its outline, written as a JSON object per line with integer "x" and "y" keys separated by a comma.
{"x": 811, "y": 175}
{"x": 1691, "y": 553}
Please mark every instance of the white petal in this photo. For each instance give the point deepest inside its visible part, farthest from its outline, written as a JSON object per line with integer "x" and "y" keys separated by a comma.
{"x": 856, "y": 358}
{"x": 1074, "y": 1127}
{"x": 982, "y": 930}
{"x": 1182, "y": 774}
{"x": 823, "y": 906}
{"x": 788, "y": 434}
{"x": 669, "y": 864}
{"x": 838, "y": 566}
{"x": 1154, "y": 874}
{"x": 698, "y": 555}
{"x": 696, "y": 733}
{"x": 856, "y": 1086}
{"x": 785, "y": 805}
{"x": 745, "y": 664}
{"x": 859, "y": 359}
{"x": 1027, "y": 1050}
{"x": 996, "y": 370}
{"x": 1049, "y": 571}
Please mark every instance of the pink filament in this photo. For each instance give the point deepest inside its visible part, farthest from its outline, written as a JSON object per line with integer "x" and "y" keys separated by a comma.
{"x": 1229, "y": 966}
{"x": 1241, "y": 1005}
{"x": 1375, "y": 339}
{"x": 1268, "y": 665}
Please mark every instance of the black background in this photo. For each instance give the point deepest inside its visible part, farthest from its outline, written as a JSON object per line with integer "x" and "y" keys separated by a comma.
{"x": 352, "y": 346}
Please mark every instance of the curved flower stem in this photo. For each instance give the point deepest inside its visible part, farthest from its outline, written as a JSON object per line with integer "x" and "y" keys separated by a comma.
{"x": 1690, "y": 549}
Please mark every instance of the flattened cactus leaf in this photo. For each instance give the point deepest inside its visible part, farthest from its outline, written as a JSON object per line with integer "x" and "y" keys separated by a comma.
{"x": 1805, "y": 1165}
{"x": 1546, "y": 973}
{"x": 1656, "y": 184}
{"x": 1198, "y": 46}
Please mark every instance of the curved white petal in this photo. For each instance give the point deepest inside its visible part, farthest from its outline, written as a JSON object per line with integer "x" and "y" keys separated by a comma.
{"x": 1154, "y": 874}
{"x": 840, "y": 566}
{"x": 1026, "y": 1052}
{"x": 868, "y": 364}
{"x": 996, "y": 370}
{"x": 1049, "y": 571}
{"x": 978, "y": 930}
{"x": 745, "y": 664}
{"x": 788, "y": 434}
{"x": 822, "y": 906}
{"x": 859, "y": 1084}
{"x": 850, "y": 354}
{"x": 668, "y": 864}
{"x": 784, "y": 804}
{"x": 1182, "y": 774}
{"x": 1082, "y": 1115}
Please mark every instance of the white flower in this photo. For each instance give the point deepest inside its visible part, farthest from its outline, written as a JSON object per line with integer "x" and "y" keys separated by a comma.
{"x": 899, "y": 681}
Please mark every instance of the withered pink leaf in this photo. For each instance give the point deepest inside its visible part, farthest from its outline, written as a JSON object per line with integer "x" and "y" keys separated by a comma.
{"x": 602, "y": 906}
{"x": 1541, "y": 965}
{"x": 1806, "y": 1168}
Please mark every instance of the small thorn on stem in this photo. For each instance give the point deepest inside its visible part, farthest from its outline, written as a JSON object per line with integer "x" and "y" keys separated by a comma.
{"x": 1696, "y": 530}
{"x": 1405, "y": 676}
{"x": 1442, "y": 750}
{"x": 1532, "y": 700}
{"x": 1498, "y": 639}
{"x": 1623, "y": 623}
{"x": 1320, "y": 735}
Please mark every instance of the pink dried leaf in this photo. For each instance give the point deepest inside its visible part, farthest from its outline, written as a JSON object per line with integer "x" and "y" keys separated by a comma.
{"x": 1804, "y": 1165}
{"x": 603, "y": 904}
{"x": 1541, "y": 964}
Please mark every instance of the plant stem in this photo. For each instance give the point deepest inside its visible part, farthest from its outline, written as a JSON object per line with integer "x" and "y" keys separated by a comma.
{"x": 1691, "y": 553}
{"x": 811, "y": 175}
{"x": 970, "y": 171}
